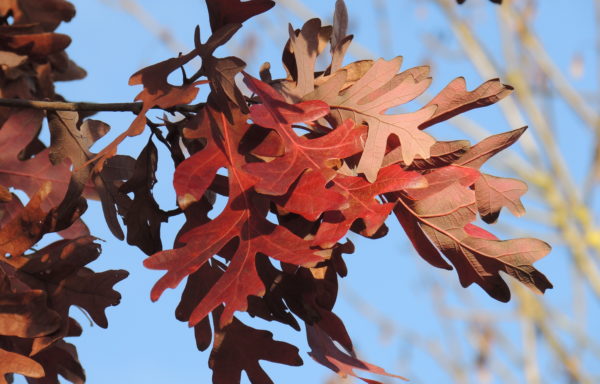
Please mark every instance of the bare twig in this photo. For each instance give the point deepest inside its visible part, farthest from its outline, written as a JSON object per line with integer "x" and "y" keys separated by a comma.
{"x": 86, "y": 106}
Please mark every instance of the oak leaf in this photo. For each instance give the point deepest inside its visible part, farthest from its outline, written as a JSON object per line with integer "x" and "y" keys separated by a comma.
{"x": 59, "y": 359}
{"x": 325, "y": 352}
{"x": 48, "y": 14}
{"x": 238, "y": 347}
{"x": 367, "y": 100}
{"x": 29, "y": 175}
{"x": 493, "y": 192}
{"x": 454, "y": 99}
{"x": 311, "y": 160}
{"x": 72, "y": 139}
{"x": 16, "y": 363}
{"x": 59, "y": 270}
{"x": 442, "y": 153}
{"x": 157, "y": 92}
{"x": 478, "y": 259}
{"x": 26, "y": 314}
{"x": 363, "y": 204}
{"x": 242, "y": 225}
{"x": 223, "y": 12}
{"x": 30, "y": 224}
{"x": 142, "y": 216}
{"x": 25, "y": 41}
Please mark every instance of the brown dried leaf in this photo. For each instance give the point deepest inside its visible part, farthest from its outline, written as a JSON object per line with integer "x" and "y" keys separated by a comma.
{"x": 33, "y": 44}
{"x": 26, "y": 314}
{"x": 59, "y": 269}
{"x": 223, "y": 12}
{"x": 11, "y": 362}
{"x": 157, "y": 92}
{"x": 59, "y": 359}
{"x": 143, "y": 217}
{"x": 232, "y": 353}
{"x": 28, "y": 226}
{"x": 29, "y": 175}
{"x": 71, "y": 139}
{"x": 326, "y": 353}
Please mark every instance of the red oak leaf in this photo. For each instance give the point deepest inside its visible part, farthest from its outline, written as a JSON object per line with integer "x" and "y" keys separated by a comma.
{"x": 309, "y": 198}
{"x": 365, "y": 90}
{"x": 442, "y": 178}
{"x": 362, "y": 203}
{"x": 311, "y": 160}
{"x": 242, "y": 226}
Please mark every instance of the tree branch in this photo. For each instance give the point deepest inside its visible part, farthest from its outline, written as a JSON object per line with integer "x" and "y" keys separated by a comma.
{"x": 85, "y": 106}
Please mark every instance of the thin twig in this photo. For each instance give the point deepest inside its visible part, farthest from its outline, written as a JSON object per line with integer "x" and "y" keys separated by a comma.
{"x": 86, "y": 106}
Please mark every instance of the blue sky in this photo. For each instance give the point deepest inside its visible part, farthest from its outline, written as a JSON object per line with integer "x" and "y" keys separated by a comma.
{"x": 144, "y": 342}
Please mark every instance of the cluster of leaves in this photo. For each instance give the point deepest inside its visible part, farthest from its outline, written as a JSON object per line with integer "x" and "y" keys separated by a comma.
{"x": 321, "y": 157}
{"x": 301, "y": 161}
{"x": 38, "y": 287}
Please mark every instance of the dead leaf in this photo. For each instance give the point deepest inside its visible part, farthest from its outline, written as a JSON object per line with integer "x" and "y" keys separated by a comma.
{"x": 143, "y": 217}
{"x": 16, "y": 363}
{"x": 223, "y": 12}
{"x": 326, "y": 353}
{"x": 72, "y": 139}
{"x": 231, "y": 355}
{"x": 29, "y": 175}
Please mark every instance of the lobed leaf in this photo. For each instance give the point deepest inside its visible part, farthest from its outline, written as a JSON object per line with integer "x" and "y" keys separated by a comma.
{"x": 16, "y": 363}
{"x": 231, "y": 353}
{"x": 223, "y": 12}
{"x": 477, "y": 256}
{"x": 325, "y": 352}
{"x": 242, "y": 223}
